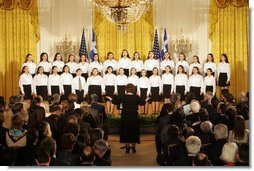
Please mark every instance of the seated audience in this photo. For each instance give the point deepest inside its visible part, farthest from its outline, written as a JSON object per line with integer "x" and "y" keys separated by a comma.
{"x": 87, "y": 157}
{"x": 102, "y": 153}
{"x": 229, "y": 154}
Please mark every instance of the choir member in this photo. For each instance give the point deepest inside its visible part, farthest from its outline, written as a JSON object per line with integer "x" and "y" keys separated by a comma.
{"x": 120, "y": 82}
{"x": 144, "y": 90}
{"x": 110, "y": 62}
{"x": 83, "y": 65}
{"x": 58, "y": 61}
{"x": 150, "y": 63}
{"x": 182, "y": 61}
{"x": 209, "y": 82}
{"x": 224, "y": 72}
{"x": 137, "y": 63}
{"x": 167, "y": 80}
{"x": 125, "y": 62}
{"x": 195, "y": 63}
{"x": 95, "y": 84}
{"x": 45, "y": 63}
{"x": 95, "y": 64}
{"x": 66, "y": 80}
{"x": 31, "y": 65}
{"x": 40, "y": 83}
{"x": 210, "y": 64}
{"x": 167, "y": 61}
{"x": 196, "y": 83}
{"x": 181, "y": 82}
{"x": 79, "y": 86}
{"x": 110, "y": 87}
{"x": 134, "y": 79}
{"x": 156, "y": 90}
{"x": 73, "y": 66}
{"x": 25, "y": 83}
{"x": 54, "y": 82}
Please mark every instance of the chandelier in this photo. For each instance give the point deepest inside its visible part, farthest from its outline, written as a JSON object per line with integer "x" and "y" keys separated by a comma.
{"x": 122, "y": 12}
{"x": 182, "y": 44}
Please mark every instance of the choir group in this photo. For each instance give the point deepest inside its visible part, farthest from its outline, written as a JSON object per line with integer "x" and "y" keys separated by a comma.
{"x": 152, "y": 78}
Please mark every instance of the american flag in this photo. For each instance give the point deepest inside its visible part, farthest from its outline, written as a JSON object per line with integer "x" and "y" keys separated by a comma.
{"x": 82, "y": 49}
{"x": 156, "y": 49}
{"x": 165, "y": 44}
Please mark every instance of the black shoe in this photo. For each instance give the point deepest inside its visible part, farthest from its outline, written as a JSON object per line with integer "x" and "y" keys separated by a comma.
{"x": 127, "y": 150}
{"x": 133, "y": 149}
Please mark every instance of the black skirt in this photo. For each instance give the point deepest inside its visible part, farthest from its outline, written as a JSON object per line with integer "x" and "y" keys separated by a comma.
{"x": 46, "y": 73}
{"x": 85, "y": 75}
{"x": 55, "y": 90}
{"x": 95, "y": 89}
{"x": 27, "y": 91}
{"x": 126, "y": 72}
{"x": 109, "y": 91}
{"x": 209, "y": 88}
{"x": 167, "y": 90}
{"x": 196, "y": 92}
{"x": 155, "y": 96}
{"x": 223, "y": 77}
{"x": 149, "y": 73}
{"x": 42, "y": 91}
{"x": 143, "y": 93}
{"x": 67, "y": 92}
{"x": 181, "y": 91}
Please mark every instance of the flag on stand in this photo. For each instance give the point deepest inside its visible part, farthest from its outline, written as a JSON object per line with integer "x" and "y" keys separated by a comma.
{"x": 156, "y": 50}
{"x": 82, "y": 49}
{"x": 165, "y": 44}
{"x": 93, "y": 46}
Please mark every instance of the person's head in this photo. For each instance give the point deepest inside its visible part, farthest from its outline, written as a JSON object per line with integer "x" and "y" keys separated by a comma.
{"x": 25, "y": 70}
{"x": 82, "y": 58}
{"x": 78, "y": 72}
{"x": 56, "y": 99}
{"x": 68, "y": 141}
{"x": 130, "y": 88}
{"x": 195, "y": 70}
{"x": 143, "y": 73}
{"x": 45, "y": 105}
{"x": 64, "y": 104}
{"x": 150, "y": 55}
{"x": 187, "y": 132}
{"x": 201, "y": 159}
{"x": 167, "y": 55}
{"x": 193, "y": 145}
{"x": 73, "y": 128}
{"x": 72, "y": 97}
{"x": 109, "y": 70}
{"x": 243, "y": 96}
{"x": 125, "y": 53}
{"x": 87, "y": 156}
{"x": 136, "y": 56}
{"x": 210, "y": 58}
{"x": 71, "y": 58}
{"x": 229, "y": 152}
{"x": 42, "y": 157}
{"x": 100, "y": 147}
{"x": 84, "y": 106}
{"x": 79, "y": 112}
{"x": 29, "y": 58}
{"x": 95, "y": 72}
{"x": 224, "y": 58}
{"x": 36, "y": 101}
{"x": 155, "y": 71}
{"x": 189, "y": 97}
{"x": 17, "y": 122}
{"x": 239, "y": 127}
{"x": 221, "y": 108}
{"x": 110, "y": 55}
{"x": 18, "y": 108}
{"x": 44, "y": 57}
{"x": 195, "y": 59}
{"x": 66, "y": 69}
{"x": 54, "y": 70}
{"x": 40, "y": 70}
{"x": 133, "y": 71}
{"x": 206, "y": 127}
{"x": 168, "y": 69}
{"x": 180, "y": 69}
{"x": 220, "y": 131}
{"x": 227, "y": 97}
{"x": 44, "y": 129}
{"x": 209, "y": 72}
{"x": 173, "y": 131}
{"x": 96, "y": 57}
{"x": 49, "y": 145}
{"x": 121, "y": 71}
{"x": 32, "y": 137}
{"x": 182, "y": 57}
{"x": 195, "y": 106}
{"x": 94, "y": 98}
{"x": 243, "y": 153}
{"x": 58, "y": 57}
{"x": 96, "y": 134}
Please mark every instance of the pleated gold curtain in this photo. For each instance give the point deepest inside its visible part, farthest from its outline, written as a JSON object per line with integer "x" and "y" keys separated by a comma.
{"x": 19, "y": 33}
{"x": 138, "y": 37}
{"x": 229, "y": 33}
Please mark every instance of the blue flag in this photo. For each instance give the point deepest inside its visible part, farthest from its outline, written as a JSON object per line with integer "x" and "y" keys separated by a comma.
{"x": 165, "y": 44}
{"x": 82, "y": 49}
{"x": 93, "y": 46}
{"x": 156, "y": 50}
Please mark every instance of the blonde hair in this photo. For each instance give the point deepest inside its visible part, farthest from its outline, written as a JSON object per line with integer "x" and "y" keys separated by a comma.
{"x": 229, "y": 152}
{"x": 193, "y": 145}
{"x": 85, "y": 107}
{"x": 195, "y": 106}
{"x": 45, "y": 105}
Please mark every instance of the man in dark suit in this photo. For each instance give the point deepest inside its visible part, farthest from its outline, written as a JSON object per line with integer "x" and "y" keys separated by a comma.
{"x": 97, "y": 106}
{"x": 102, "y": 153}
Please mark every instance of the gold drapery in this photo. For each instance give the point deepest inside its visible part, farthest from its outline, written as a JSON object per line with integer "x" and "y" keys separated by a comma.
{"x": 229, "y": 33}
{"x": 138, "y": 37}
{"x": 19, "y": 34}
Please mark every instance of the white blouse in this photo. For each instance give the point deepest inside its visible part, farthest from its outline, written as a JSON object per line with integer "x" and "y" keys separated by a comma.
{"x": 224, "y": 67}
{"x": 66, "y": 79}
{"x": 185, "y": 64}
{"x": 75, "y": 84}
{"x": 137, "y": 64}
{"x": 150, "y": 64}
{"x": 168, "y": 79}
{"x": 25, "y": 79}
{"x": 31, "y": 67}
{"x": 111, "y": 63}
{"x": 167, "y": 62}
{"x": 95, "y": 64}
{"x": 196, "y": 80}
{"x": 195, "y": 65}
{"x": 96, "y": 80}
{"x": 109, "y": 79}
{"x": 46, "y": 66}
{"x": 210, "y": 81}
{"x": 124, "y": 63}
{"x": 181, "y": 80}
{"x": 54, "y": 80}
{"x": 121, "y": 80}
{"x": 144, "y": 82}
{"x": 59, "y": 64}
{"x": 39, "y": 80}
{"x": 155, "y": 81}
{"x": 73, "y": 67}
{"x": 84, "y": 67}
